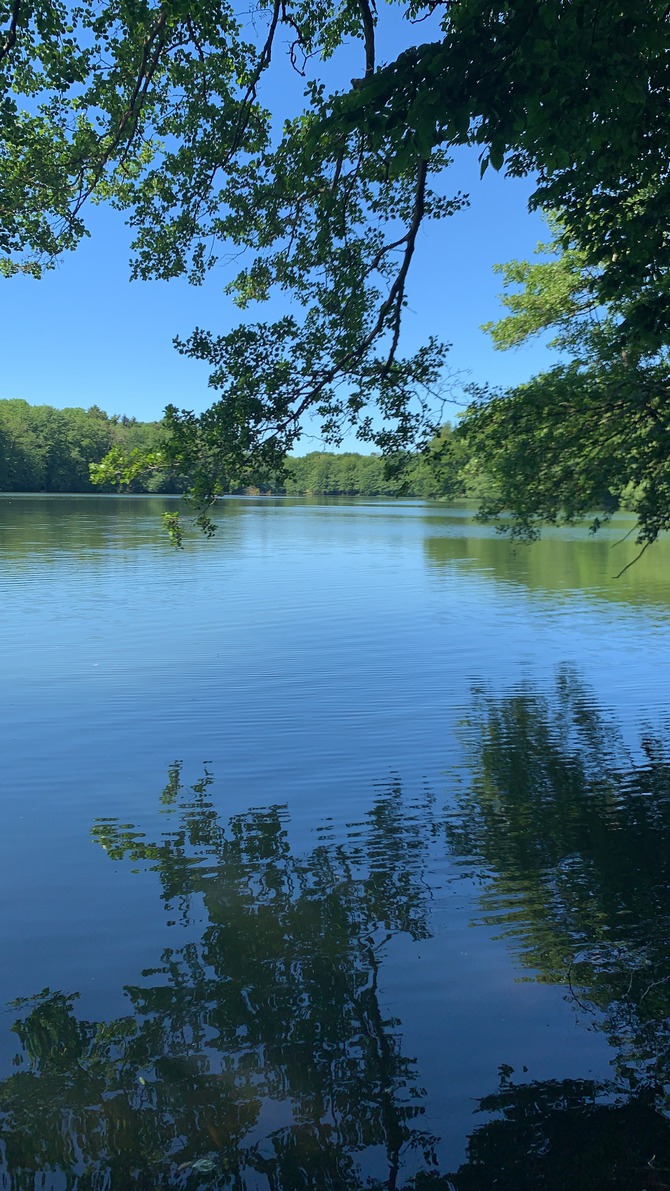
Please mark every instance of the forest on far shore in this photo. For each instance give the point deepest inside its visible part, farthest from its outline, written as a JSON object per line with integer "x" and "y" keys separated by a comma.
{"x": 43, "y": 449}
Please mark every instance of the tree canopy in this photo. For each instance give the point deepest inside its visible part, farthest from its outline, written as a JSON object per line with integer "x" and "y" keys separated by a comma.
{"x": 43, "y": 449}
{"x": 160, "y": 108}
{"x": 592, "y": 431}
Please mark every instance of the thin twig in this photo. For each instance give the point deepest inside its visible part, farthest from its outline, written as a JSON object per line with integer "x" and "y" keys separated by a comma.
{"x": 633, "y": 561}
{"x": 624, "y": 538}
{"x": 654, "y": 984}
{"x": 586, "y": 1008}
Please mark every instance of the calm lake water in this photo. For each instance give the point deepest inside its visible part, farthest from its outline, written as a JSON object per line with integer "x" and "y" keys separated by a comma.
{"x": 334, "y": 852}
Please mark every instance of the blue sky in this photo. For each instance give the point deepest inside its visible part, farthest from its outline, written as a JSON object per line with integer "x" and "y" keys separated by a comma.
{"x": 85, "y": 334}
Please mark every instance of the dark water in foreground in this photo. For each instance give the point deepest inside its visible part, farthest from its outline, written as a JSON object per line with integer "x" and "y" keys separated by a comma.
{"x": 334, "y": 853}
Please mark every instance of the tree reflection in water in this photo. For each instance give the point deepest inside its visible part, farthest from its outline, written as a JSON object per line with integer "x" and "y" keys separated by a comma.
{"x": 571, "y": 830}
{"x": 573, "y": 833}
{"x": 258, "y": 1055}
{"x": 567, "y": 1135}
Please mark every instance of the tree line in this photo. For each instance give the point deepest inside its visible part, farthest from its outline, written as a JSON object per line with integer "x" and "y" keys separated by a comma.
{"x": 43, "y": 449}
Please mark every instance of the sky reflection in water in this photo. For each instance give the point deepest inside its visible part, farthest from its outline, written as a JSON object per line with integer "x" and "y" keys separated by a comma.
{"x": 454, "y": 975}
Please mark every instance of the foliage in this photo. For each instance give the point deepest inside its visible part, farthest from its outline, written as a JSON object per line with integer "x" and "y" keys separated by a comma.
{"x": 593, "y": 431}
{"x": 439, "y": 471}
{"x": 43, "y": 449}
{"x": 47, "y": 449}
{"x": 158, "y": 107}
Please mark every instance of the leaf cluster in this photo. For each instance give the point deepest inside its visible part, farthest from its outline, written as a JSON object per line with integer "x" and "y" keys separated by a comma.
{"x": 590, "y": 432}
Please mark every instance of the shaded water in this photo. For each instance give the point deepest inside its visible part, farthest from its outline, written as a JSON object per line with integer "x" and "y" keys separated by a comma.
{"x": 334, "y": 852}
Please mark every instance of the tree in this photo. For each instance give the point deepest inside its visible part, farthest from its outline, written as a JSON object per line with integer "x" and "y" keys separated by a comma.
{"x": 594, "y": 429}
{"x": 159, "y": 108}
{"x": 49, "y": 450}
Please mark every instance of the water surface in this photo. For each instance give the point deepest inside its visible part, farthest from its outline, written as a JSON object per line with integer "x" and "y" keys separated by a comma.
{"x": 333, "y": 853}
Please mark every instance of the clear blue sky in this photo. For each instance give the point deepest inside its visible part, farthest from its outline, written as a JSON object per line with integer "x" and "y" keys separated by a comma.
{"x": 85, "y": 334}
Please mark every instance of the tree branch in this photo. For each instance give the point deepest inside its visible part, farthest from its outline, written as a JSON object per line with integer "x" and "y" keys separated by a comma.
{"x": 392, "y": 303}
{"x": 369, "y": 36}
{"x": 633, "y": 561}
{"x": 147, "y": 69}
{"x": 10, "y": 39}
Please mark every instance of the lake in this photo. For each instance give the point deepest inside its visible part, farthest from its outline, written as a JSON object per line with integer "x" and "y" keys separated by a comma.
{"x": 334, "y": 852}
